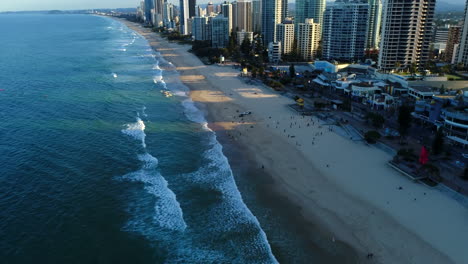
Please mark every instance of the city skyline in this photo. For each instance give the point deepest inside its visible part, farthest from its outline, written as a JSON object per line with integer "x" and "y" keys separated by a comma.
{"x": 33, "y": 5}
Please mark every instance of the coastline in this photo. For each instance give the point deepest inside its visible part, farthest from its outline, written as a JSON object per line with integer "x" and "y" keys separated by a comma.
{"x": 330, "y": 191}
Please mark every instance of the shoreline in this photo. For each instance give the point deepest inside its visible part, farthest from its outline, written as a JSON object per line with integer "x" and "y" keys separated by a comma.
{"x": 340, "y": 208}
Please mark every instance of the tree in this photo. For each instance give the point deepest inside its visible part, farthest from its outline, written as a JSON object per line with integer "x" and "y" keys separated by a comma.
{"x": 376, "y": 119}
{"x": 465, "y": 174}
{"x": 413, "y": 68}
{"x": 372, "y": 136}
{"x": 404, "y": 119}
{"x": 246, "y": 46}
{"x": 292, "y": 71}
{"x": 438, "y": 142}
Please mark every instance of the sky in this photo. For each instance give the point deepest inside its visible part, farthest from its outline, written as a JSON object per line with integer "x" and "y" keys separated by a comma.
{"x": 28, "y": 5}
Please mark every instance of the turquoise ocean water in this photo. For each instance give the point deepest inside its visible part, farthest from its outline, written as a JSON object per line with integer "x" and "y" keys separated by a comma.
{"x": 97, "y": 165}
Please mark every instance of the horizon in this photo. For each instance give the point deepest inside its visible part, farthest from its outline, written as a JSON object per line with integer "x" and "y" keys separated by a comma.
{"x": 47, "y": 5}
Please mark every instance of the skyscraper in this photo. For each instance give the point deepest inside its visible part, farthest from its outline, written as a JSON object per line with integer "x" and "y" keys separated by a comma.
{"x": 285, "y": 34}
{"x": 168, "y": 15}
{"x": 149, "y": 4}
{"x": 309, "y": 9}
{"x": 184, "y": 16}
{"x": 462, "y": 52}
{"x": 257, "y": 15}
{"x": 243, "y": 16}
{"x": 158, "y": 13}
{"x": 226, "y": 10}
{"x": 308, "y": 39}
{"x": 344, "y": 30}
{"x": 209, "y": 8}
{"x": 219, "y": 31}
{"x": 373, "y": 28}
{"x": 271, "y": 15}
{"x": 406, "y": 33}
{"x": 452, "y": 40}
{"x": 199, "y": 28}
{"x": 191, "y": 8}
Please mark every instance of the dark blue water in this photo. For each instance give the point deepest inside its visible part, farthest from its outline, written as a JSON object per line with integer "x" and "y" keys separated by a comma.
{"x": 97, "y": 165}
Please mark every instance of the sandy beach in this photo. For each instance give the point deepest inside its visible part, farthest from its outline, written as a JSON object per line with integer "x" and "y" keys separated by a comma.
{"x": 345, "y": 187}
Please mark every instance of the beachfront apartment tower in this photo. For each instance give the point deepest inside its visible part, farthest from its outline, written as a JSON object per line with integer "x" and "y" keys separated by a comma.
{"x": 149, "y": 5}
{"x": 209, "y": 8}
{"x": 285, "y": 34}
{"x": 453, "y": 39}
{"x": 271, "y": 16}
{"x": 344, "y": 30}
{"x": 184, "y": 17}
{"x": 219, "y": 31}
{"x": 226, "y": 10}
{"x": 199, "y": 28}
{"x": 192, "y": 8}
{"x": 168, "y": 15}
{"x": 374, "y": 23}
{"x": 309, "y": 9}
{"x": 308, "y": 39}
{"x": 406, "y": 33}
{"x": 158, "y": 16}
{"x": 243, "y": 16}
{"x": 257, "y": 15}
{"x": 462, "y": 53}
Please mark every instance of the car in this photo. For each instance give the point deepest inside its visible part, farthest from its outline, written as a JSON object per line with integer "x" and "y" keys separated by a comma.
{"x": 245, "y": 113}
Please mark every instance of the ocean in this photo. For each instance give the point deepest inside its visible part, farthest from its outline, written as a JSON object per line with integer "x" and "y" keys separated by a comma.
{"x": 99, "y": 166}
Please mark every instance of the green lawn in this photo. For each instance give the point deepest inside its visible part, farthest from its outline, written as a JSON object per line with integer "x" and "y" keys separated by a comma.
{"x": 452, "y": 77}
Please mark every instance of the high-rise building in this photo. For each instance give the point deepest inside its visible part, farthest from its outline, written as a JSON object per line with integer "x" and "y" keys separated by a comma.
{"x": 285, "y": 34}
{"x": 168, "y": 15}
{"x": 149, "y": 5}
{"x": 453, "y": 38}
{"x": 219, "y": 31}
{"x": 226, "y": 10}
{"x": 406, "y": 33}
{"x": 243, "y": 15}
{"x": 199, "y": 28}
{"x": 344, "y": 30}
{"x": 141, "y": 11}
{"x": 271, "y": 16}
{"x": 183, "y": 17}
{"x": 158, "y": 20}
{"x": 201, "y": 11}
{"x": 309, "y": 9}
{"x": 209, "y": 8}
{"x": 462, "y": 50}
{"x": 373, "y": 27}
{"x": 191, "y": 8}
{"x": 257, "y": 15}
{"x": 308, "y": 39}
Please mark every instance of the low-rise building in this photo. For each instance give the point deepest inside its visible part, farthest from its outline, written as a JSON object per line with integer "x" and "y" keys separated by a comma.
{"x": 456, "y": 125}
{"x": 421, "y": 92}
{"x": 274, "y": 52}
{"x": 241, "y": 35}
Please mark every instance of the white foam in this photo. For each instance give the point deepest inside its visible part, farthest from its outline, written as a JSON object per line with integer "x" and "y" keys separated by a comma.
{"x": 167, "y": 211}
{"x": 136, "y": 130}
{"x": 149, "y": 161}
{"x": 192, "y": 112}
{"x": 143, "y": 111}
{"x": 114, "y": 75}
